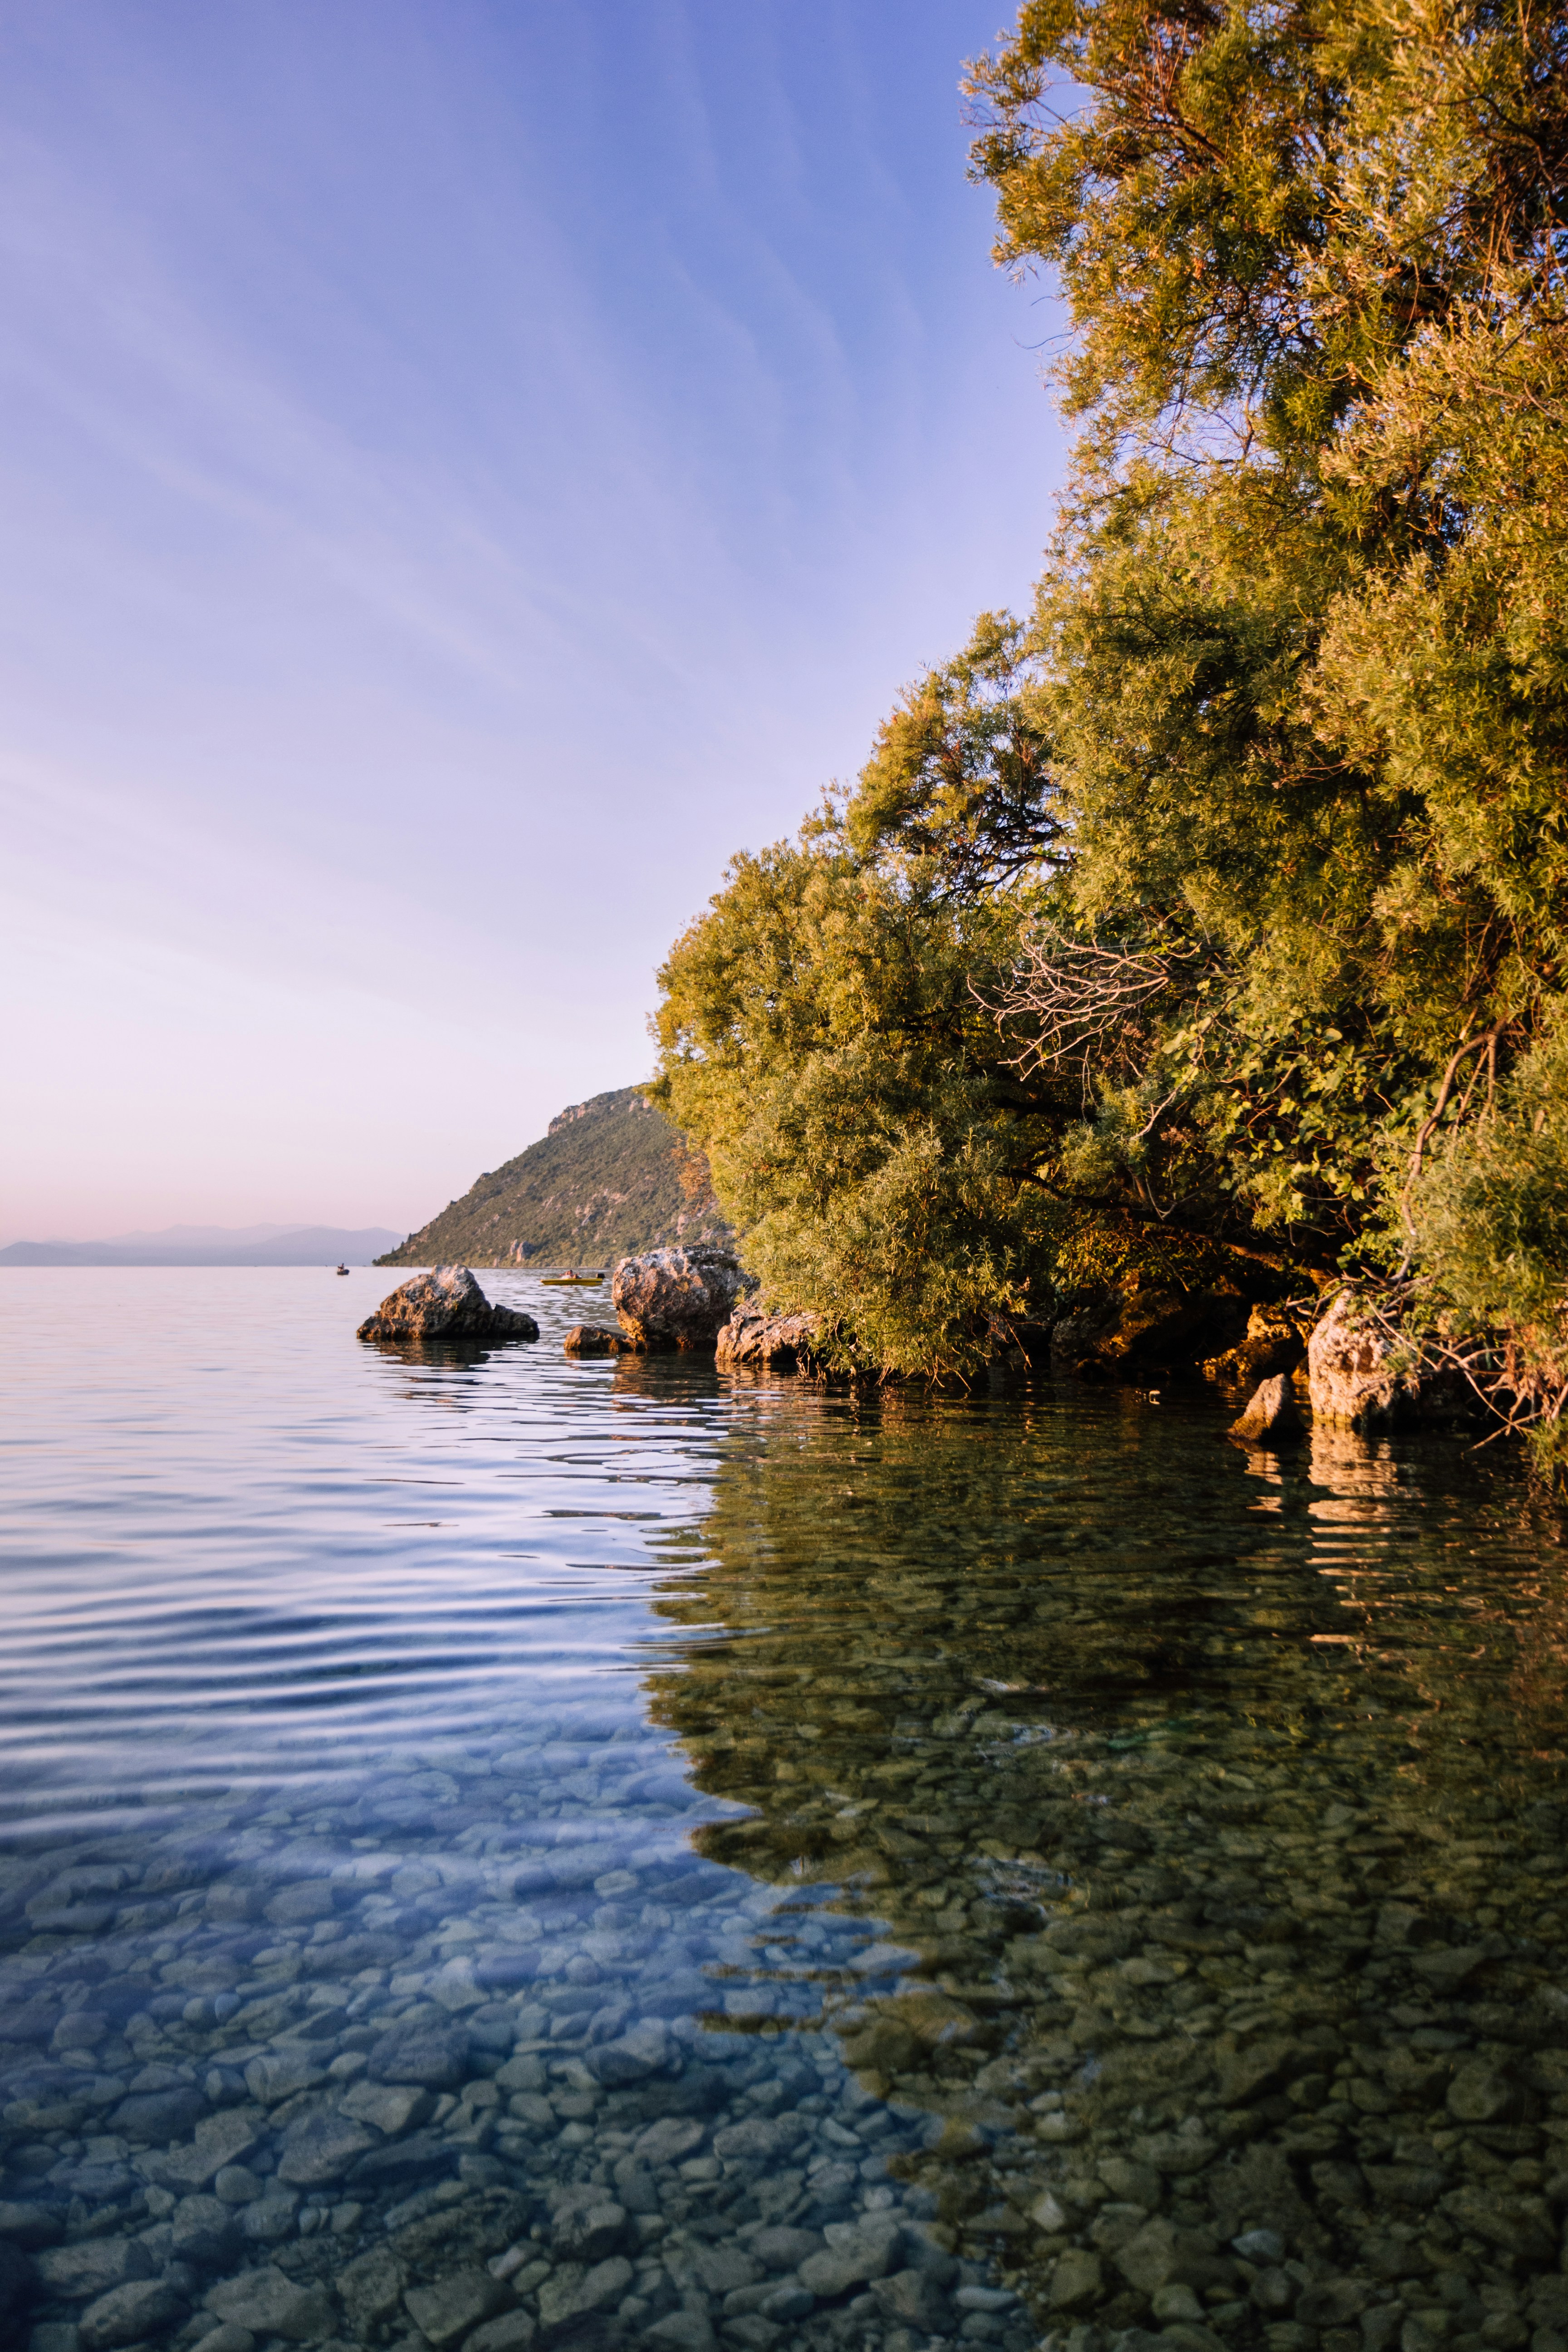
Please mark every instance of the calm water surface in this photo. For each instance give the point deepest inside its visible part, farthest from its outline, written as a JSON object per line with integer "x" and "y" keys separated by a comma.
{"x": 504, "y": 1852}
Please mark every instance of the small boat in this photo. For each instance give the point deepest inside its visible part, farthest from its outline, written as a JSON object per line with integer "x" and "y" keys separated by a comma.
{"x": 342, "y": 1269}
{"x": 571, "y": 1279}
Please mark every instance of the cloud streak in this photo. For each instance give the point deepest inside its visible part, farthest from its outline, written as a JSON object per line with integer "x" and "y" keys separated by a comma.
{"x": 464, "y": 472}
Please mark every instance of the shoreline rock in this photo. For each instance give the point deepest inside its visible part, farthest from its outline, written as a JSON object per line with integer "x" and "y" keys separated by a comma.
{"x": 446, "y": 1303}
{"x": 595, "y": 1339}
{"x": 764, "y": 1342}
{"x": 1272, "y": 1414}
{"x": 1360, "y": 1376}
{"x": 1273, "y": 1343}
{"x": 676, "y": 1298}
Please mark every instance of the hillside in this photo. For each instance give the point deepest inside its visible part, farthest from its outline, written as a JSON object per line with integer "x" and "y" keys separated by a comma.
{"x": 611, "y": 1178}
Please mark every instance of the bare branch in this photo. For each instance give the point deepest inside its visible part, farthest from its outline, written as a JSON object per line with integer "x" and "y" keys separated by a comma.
{"x": 1072, "y": 994}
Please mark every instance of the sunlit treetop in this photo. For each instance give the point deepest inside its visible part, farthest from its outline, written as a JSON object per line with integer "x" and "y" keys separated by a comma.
{"x": 1253, "y": 209}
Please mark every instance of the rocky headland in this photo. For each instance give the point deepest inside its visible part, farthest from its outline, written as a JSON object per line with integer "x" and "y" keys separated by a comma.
{"x": 610, "y": 1177}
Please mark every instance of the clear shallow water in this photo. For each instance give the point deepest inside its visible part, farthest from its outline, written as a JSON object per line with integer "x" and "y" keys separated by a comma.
{"x": 750, "y": 1867}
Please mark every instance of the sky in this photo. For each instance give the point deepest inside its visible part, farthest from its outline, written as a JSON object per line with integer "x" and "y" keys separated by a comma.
{"x": 465, "y": 470}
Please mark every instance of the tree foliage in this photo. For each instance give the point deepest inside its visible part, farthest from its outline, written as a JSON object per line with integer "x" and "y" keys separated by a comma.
{"x": 821, "y": 1035}
{"x": 1157, "y": 924}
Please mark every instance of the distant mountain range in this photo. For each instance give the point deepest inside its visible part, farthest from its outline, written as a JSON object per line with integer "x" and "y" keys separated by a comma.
{"x": 214, "y": 1246}
{"x": 611, "y": 1178}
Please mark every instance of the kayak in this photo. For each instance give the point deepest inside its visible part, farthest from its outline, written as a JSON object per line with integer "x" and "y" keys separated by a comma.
{"x": 570, "y": 1281}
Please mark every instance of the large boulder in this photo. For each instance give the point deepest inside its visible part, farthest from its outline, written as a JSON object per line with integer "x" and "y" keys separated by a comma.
{"x": 444, "y": 1303}
{"x": 766, "y": 1343}
{"x": 677, "y": 1297}
{"x": 1362, "y": 1376}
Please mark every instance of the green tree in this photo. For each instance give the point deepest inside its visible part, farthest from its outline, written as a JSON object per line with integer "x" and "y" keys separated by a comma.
{"x": 821, "y": 1034}
{"x": 1302, "y": 635}
{"x": 1162, "y": 924}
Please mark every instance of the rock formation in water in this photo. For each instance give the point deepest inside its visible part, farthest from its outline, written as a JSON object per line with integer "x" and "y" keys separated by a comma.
{"x": 1274, "y": 1342}
{"x": 1362, "y": 1376}
{"x": 595, "y": 1339}
{"x": 444, "y": 1303}
{"x": 676, "y": 1298}
{"x": 764, "y": 1342}
{"x": 1272, "y": 1414}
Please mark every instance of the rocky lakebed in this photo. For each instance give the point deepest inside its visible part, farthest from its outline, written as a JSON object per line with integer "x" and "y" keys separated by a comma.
{"x": 1040, "y": 1874}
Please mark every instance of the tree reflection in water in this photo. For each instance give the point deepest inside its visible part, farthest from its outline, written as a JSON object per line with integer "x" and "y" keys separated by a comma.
{"x": 1208, "y": 1811}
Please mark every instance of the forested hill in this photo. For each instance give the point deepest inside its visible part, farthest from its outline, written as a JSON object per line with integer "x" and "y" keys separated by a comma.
{"x": 611, "y": 1178}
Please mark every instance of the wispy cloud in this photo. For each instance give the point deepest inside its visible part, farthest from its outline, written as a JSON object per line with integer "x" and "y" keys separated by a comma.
{"x": 463, "y": 473}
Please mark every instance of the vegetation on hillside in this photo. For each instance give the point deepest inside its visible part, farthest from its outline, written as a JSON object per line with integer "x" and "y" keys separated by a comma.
{"x": 1216, "y": 915}
{"x": 611, "y": 1178}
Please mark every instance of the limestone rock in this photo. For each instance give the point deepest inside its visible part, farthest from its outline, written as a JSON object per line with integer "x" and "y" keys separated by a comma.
{"x": 856, "y": 2252}
{"x": 1272, "y": 1414}
{"x": 1481, "y": 2092}
{"x": 202, "y": 2232}
{"x": 1272, "y": 1344}
{"x": 421, "y": 2156}
{"x": 159, "y": 2115}
{"x": 1348, "y": 1366}
{"x": 1135, "y": 2184}
{"x": 681, "y": 2331}
{"x": 1161, "y": 2255}
{"x": 390, "y": 2108}
{"x": 372, "y": 2288}
{"x": 912, "y": 2298}
{"x": 318, "y": 2148}
{"x": 91, "y": 2268}
{"x": 670, "y": 2140}
{"x": 677, "y": 1297}
{"x": 1520, "y": 2225}
{"x": 632, "y": 2056}
{"x": 587, "y": 2231}
{"x": 514, "y": 2331}
{"x": 444, "y": 1303}
{"x": 423, "y": 2052}
{"x": 302, "y": 1903}
{"x": 446, "y": 2311}
{"x": 766, "y": 1343}
{"x": 271, "y": 2218}
{"x": 279, "y": 2074}
{"x": 127, "y": 2314}
{"x": 574, "y": 2289}
{"x": 1358, "y": 1382}
{"x": 269, "y": 2303}
{"x": 1078, "y": 2280}
{"x": 595, "y": 1339}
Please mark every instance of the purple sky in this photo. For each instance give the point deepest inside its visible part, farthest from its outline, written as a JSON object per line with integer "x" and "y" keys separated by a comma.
{"x": 465, "y": 470}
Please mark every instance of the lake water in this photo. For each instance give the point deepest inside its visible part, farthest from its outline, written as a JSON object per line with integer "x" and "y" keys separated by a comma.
{"x": 506, "y": 1851}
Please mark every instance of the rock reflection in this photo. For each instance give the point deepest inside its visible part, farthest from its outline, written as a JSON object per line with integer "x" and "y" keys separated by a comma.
{"x": 1211, "y": 1817}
